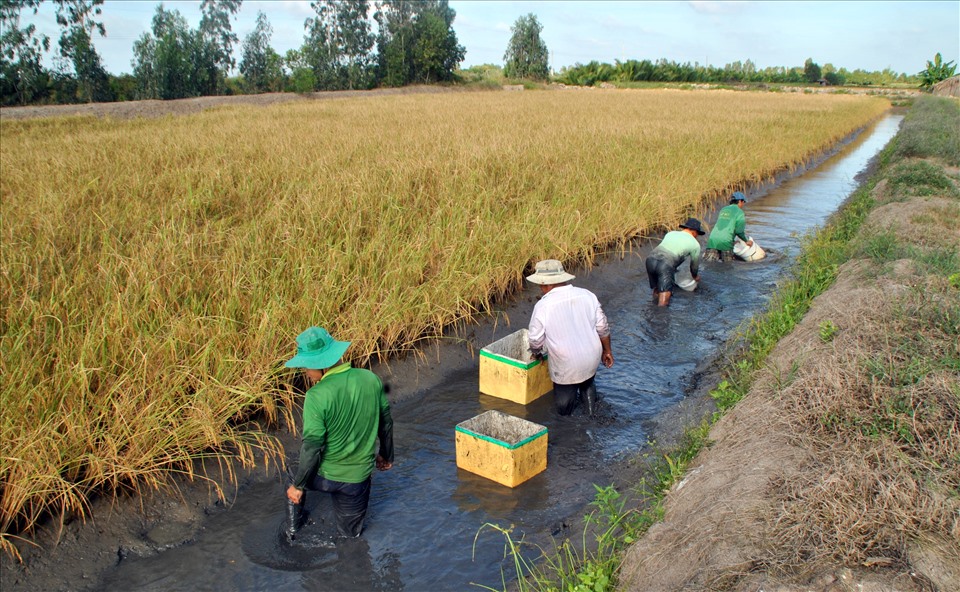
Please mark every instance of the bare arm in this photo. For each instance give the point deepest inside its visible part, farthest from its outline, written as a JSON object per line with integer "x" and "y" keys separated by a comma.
{"x": 536, "y": 333}
{"x": 607, "y": 356}
{"x": 384, "y": 459}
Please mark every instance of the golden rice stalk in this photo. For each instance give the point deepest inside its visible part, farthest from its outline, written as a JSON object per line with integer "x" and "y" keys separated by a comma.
{"x": 155, "y": 272}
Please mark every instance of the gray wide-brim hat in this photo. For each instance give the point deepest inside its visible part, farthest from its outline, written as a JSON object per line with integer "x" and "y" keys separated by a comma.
{"x": 317, "y": 350}
{"x": 549, "y": 272}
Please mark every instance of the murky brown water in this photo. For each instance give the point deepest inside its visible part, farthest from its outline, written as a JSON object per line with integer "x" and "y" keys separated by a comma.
{"x": 425, "y": 513}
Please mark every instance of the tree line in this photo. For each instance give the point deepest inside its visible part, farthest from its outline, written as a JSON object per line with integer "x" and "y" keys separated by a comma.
{"x": 527, "y": 57}
{"x": 737, "y": 72}
{"x": 348, "y": 44}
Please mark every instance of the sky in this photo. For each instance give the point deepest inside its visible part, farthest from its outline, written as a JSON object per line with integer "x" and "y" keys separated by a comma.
{"x": 868, "y": 35}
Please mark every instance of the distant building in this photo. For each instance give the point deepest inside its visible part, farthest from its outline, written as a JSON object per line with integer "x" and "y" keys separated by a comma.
{"x": 948, "y": 88}
{"x": 823, "y": 82}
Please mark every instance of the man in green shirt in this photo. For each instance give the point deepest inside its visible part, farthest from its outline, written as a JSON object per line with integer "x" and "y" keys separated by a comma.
{"x": 664, "y": 261}
{"x": 345, "y": 413}
{"x": 730, "y": 223}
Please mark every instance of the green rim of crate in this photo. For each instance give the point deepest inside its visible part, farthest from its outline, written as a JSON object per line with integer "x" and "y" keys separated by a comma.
{"x": 510, "y": 361}
{"x": 501, "y": 442}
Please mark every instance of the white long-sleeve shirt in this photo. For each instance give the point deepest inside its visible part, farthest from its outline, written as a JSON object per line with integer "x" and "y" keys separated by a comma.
{"x": 568, "y": 323}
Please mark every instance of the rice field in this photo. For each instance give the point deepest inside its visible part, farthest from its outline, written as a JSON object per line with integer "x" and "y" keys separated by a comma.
{"x": 156, "y": 272}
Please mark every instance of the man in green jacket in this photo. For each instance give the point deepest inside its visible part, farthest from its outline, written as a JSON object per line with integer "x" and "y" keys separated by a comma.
{"x": 730, "y": 223}
{"x": 345, "y": 413}
{"x": 664, "y": 261}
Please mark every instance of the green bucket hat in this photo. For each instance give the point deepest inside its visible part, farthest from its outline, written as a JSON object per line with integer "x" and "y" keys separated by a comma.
{"x": 317, "y": 350}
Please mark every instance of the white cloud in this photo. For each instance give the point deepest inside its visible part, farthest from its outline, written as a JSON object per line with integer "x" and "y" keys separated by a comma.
{"x": 712, "y": 7}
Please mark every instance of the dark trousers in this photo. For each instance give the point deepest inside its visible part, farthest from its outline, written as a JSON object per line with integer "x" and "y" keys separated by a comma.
{"x": 660, "y": 274}
{"x": 565, "y": 395}
{"x": 350, "y": 502}
{"x": 716, "y": 255}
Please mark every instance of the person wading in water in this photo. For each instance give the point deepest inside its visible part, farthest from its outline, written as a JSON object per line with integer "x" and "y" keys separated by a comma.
{"x": 345, "y": 413}
{"x": 570, "y": 325}
{"x": 731, "y": 223}
{"x": 665, "y": 260}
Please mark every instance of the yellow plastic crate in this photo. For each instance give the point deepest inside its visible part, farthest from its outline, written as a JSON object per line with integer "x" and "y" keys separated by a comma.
{"x": 509, "y": 371}
{"x": 501, "y": 447}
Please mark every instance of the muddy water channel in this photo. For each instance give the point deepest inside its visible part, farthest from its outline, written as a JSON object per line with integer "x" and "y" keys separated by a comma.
{"x": 425, "y": 513}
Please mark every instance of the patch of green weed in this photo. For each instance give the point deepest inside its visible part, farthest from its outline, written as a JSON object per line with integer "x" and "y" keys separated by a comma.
{"x": 920, "y": 178}
{"x": 828, "y": 331}
{"x": 725, "y": 395}
{"x": 938, "y": 260}
{"x": 882, "y": 247}
{"x": 931, "y": 129}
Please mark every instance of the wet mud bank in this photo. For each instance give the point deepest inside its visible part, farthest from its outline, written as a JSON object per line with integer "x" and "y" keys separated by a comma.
{"x": 425, "y": 513}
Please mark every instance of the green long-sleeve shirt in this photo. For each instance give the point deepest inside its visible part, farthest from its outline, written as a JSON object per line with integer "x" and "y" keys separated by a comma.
{"x": 344, "y": 415}
{"x": 676, "y": 246}
{"x": 730, "y": 223}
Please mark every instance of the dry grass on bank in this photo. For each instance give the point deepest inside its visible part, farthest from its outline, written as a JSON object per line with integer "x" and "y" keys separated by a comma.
{"x": 155, "y": 272}
{"x": 879, "y": 407}
{"x": 880, "y": 414}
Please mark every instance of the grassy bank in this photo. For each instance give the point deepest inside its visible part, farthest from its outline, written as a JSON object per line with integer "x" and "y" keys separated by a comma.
{"x": 155, "y": 272}
{"x": 877, "y": 411}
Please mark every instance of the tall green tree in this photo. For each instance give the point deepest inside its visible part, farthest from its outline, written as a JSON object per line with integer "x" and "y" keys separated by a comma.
{"x": 173, "y": 61}
{"x": 811, "y": 71}
{"x": 22, "y": 75}
{"x": 526, "y": 55}
{"x": 428, "y": 55}
{"x": 92, "y": 80}
{"x": 339, "y": 44}
{"x": 416, "y": 42}
{"x": 833, "y": 76}
{"x": 213, "y": 50}
{"x": 261, "y": 66}
{"x": 80, "y": 13}
{"x": 395, "y": 41}
{"x": 78, "y": 20}
{"x": 302, "y": 79}
{"x": 437, "y": 53}
{"x": 163, "y": 59}
{"x": 936, "y": 71}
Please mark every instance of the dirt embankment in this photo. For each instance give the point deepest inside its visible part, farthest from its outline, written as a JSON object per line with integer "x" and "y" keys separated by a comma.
{"x": 156, "y": 108}
{"x": 824, "y": 478}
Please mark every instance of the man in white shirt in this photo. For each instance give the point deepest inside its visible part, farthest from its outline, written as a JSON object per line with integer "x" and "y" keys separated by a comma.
{"x": 569, "y": 325}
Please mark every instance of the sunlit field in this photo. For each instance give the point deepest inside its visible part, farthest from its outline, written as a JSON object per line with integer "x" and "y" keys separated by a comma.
{"x": 156, "y": 272}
